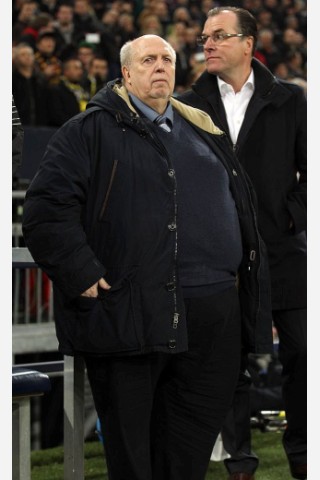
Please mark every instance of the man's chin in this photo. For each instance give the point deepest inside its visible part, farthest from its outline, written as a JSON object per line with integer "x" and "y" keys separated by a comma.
{"x": 164, "y": 94}
{"x": 213, "y": 70}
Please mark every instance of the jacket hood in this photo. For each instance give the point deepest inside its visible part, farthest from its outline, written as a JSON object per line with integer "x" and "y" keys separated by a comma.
{"x": 107, "y": 100}
{"x": 114, "y": 98}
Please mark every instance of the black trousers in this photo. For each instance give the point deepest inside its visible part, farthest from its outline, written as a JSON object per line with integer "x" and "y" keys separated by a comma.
{"x": 160, "y": 414}
{"x": 292, "y": 330}
{"x": 236, "y": 435}
{"x": 236, "y": 430}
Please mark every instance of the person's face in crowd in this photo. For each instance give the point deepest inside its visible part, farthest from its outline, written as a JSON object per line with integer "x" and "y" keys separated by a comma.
{"x": 265, "y": 38}
{"x": 73, "y": 71}
{"x": 126, "y": 22}
{"x": 85, "y": 54}
{"x": 207, "y": 5}
{"x": 27, "y": 11}
{"x": 46, "y": 45}
{"x": 161, "y": 10}
{"x": 228, "y": 56}
{"x": 99, "y": 68}
{"x": 126, "y": 7}
{"x": 110, "y": 17}
{"x": 151, "y": 73}
{"x": 23, "y": 57}
{"x": 81, "y": 7}
{"x": 65, "y": 15}
{"x": 281, "y": 71}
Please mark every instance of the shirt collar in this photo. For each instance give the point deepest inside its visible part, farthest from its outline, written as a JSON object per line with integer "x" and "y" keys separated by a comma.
{"x": 225, "y": 87}
{"x": 149, "y": 112}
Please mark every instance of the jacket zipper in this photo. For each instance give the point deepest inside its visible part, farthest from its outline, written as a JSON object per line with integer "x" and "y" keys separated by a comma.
{"x": 162, "y": 150}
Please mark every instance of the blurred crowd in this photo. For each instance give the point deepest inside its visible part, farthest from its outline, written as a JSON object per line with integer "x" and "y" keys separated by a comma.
{"x": 64, "y": 51}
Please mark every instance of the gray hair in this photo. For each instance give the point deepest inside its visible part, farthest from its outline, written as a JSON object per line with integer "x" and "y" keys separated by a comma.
{"x": 126, "y": 52}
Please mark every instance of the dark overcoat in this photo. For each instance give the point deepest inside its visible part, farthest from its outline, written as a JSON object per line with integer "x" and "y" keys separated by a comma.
{"x": 272, "y": 147}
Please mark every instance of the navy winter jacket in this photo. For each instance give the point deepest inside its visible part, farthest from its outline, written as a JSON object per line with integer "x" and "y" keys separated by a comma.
{"x": 103, "y": 203}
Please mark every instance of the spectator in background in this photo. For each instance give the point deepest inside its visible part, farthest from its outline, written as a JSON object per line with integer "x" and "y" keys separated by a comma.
{"x": 29, "y": 87}
{"x": 274, "y": 8}
{"x": 265, "y": 121}
{"x": 97, "y": 76}
{"x": 126, "y": 26}
{"x": 17, "y": 140}
{"x": 293, "y": 41}
{"x": 37, "y": 25}
{"x": 295, "y": 64}
{"x": 206, "y": 5}
{"x": 198, "y": 66}
{"x": 49, "y": 6}
{"x": 281, "y": 71}
{"x": 177, "y": 38}
{"x": 46, "y": 59}
{"x": 27, "y": 12}
{"x": 161, "y": 10}
{"x": 85, "y": 53}
{"x": 151, "y": 25}
{"x": 99, "y": 7}
{"x": 191, "y": 46}
{"x": 110, "y": 20}
{"x": 182, "y": 14}
{"x": 65, "y": 31}
{"x": 266, "y": 51}
{"x": 101, "y": 19}
{"x": 264, "y": 19}
{"x": 68, "y": 97}
{"x": 300, "y": 11}
{"x": 85, "y": 20}
{"x": 110, "y": 42}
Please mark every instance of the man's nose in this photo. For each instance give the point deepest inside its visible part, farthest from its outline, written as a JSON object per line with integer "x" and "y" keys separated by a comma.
{"x": 209, "y": 46}
{"x": 160, "y": 64}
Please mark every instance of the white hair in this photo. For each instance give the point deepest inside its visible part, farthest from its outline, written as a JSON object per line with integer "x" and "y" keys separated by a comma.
{"x": 126, "y": 52}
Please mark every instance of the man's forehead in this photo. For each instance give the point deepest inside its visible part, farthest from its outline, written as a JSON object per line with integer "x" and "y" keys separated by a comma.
{"x": 152, "y": 47}
{"x": 222, "y": 20}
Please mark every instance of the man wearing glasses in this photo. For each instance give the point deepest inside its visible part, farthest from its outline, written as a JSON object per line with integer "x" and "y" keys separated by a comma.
{"x": 265, "y": 121}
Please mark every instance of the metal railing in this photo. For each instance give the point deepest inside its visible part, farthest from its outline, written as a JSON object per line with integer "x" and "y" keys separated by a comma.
{"x": 73, "y": 390}
{"x": 32, "y": 299}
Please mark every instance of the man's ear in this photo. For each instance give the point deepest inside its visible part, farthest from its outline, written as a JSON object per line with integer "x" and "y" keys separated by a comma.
{"x": 126, "y": 74}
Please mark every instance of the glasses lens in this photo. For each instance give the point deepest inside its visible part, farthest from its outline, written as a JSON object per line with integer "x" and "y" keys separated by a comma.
{"x": 201, "y": 40}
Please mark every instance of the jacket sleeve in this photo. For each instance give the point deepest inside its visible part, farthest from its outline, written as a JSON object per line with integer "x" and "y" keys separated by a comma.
{"x": 297, "y": 198}
{"x": 53, "y": 210}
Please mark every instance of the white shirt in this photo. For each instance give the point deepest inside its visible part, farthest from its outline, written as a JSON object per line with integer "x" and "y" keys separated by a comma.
{"x": 235, "y": 104}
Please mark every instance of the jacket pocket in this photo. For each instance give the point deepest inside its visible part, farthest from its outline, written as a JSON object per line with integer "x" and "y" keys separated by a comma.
{"x": 107, "y": 324}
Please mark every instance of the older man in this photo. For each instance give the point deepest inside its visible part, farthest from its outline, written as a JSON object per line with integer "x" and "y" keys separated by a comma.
{"x": 144, "y": 222}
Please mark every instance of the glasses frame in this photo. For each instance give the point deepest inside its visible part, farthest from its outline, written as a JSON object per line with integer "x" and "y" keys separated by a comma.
{"x": 217, "y": 38}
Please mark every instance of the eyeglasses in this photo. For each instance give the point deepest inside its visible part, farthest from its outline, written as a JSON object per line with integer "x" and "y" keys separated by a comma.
{"x": 217, "y": 38}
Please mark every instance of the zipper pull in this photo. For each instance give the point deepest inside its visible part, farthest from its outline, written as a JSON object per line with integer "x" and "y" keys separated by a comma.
{"x": 175, "y": 320}
{"x": 252, "y": 257}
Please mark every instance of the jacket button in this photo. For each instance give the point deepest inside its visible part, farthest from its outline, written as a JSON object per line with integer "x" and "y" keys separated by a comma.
{"x": 171, "y": 173}
{"x": 172, "y": 343}
{"x": 170, "y": 286}
{"x": 172, "y": 226}
{"x": 234, "y": 173}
